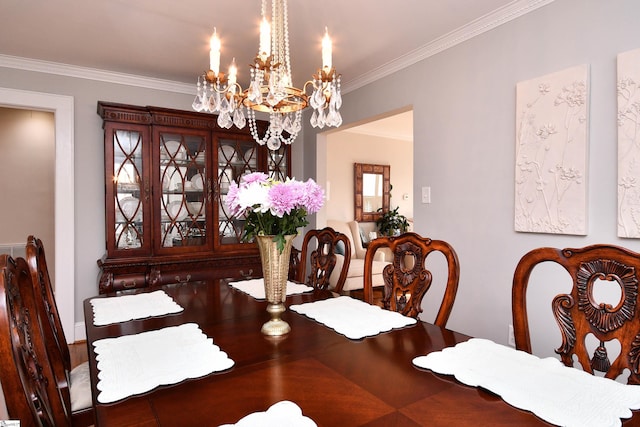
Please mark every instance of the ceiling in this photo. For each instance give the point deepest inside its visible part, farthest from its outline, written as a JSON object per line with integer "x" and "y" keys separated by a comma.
{"x": 169, "y": 40}
{"x": 396, "y": 126}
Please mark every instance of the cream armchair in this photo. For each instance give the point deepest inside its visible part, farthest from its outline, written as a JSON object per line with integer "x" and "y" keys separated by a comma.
{"x": 355, "y": 274}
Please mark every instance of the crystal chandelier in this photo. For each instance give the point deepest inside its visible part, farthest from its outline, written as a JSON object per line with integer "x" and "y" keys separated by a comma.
{"x": 271, "y": 89}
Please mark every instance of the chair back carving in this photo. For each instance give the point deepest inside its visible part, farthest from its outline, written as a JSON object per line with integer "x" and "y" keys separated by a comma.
{"x": 406, "y": 280}
{"x": 322, "y": 258}
{"x": 51, "y": 326}
{"x": 31, "y": 394}
{"x": 579, "y": 314}
{"x": 294, "y": 263}
{"x": 54, "y": 338}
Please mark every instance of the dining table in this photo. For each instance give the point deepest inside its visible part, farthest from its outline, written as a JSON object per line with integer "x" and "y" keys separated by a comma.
{"x": 334, "y": 380}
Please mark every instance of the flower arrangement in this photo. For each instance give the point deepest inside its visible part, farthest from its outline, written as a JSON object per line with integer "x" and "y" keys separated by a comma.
{"x": 273, "y": 207}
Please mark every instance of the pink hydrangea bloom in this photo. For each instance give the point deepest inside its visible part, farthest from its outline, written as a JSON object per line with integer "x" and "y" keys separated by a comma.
{"x": 232, "y": 199}
{"x": 314, "y": 196}
{"x": 273, "y": 207}
{"x": 255, "y": 177}
{"x": 286, "y": 197}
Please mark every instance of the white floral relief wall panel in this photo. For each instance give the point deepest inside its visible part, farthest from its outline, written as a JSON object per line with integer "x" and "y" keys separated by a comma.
{"x": 551, "y": 153}
{"x": 629, "y": 144}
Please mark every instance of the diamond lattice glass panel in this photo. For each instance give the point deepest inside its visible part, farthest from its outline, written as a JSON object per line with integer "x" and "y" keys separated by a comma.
{"x": 184, "y": 190}
{"x": 127, "y": 167}
{"x": 278, "y": 164}
{"x": 235, "y": 159}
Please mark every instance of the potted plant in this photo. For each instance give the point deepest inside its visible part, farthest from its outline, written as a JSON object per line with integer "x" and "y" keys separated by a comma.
{"x": 392, "y": 223}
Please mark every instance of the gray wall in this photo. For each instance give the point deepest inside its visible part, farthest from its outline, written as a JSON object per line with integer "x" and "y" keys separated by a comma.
{"x": 463, "y": 103}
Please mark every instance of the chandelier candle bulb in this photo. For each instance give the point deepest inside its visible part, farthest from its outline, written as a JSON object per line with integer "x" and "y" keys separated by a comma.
{"x": 326, "y": 50}
{"x": 214, "y": 53}
{"x": 233, "y": 72}
{"x": 265, "y": 38}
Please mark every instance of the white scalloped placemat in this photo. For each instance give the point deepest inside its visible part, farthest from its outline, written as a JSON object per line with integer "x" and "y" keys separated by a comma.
{"x": 255, "y": 287}
{"x": 280, "y": 414}
{"x": 134, "y": 364}
{"x": 554, "y": 392}
{"x": 355, "y": 319}
{"x": 129, "y": 307}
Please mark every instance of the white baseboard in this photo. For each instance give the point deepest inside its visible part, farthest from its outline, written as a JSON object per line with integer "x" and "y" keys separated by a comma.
{"x": 80, "y": 332}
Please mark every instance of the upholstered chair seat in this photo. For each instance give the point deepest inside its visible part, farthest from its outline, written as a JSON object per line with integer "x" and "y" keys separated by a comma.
{"x": 355, "y": 273}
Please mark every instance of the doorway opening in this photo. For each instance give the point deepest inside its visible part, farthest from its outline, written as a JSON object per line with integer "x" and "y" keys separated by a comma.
{"x": 382, "y": 140}
{"x": 62, "y": 108}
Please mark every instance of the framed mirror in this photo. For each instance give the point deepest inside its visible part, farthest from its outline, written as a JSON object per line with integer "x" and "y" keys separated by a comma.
{"x": 372, "y": 191}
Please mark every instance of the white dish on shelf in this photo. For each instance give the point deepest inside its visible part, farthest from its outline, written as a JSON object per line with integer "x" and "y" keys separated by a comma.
{"x": 172, "y": 178}
{"x": 130, "y": 208}
{"x": 250, "y": 156}
{"x": 197, "y": 181}
{"x": 177, "y": 211}
{"x": 227, "y": 154}
{"x": 195, "y": 208}
{"x": 173, "y": 149}
{"x": 200, "y": 158}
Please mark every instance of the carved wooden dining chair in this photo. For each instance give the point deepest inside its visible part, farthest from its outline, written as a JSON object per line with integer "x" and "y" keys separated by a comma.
{"x": 30, "y": 390}
{"x": 74, "y": 383}
{"x": 406, "y": 280}
{"x": 319, "y": 250}
{"x": 294, "y": 263}
{"x": 579, "y": 314}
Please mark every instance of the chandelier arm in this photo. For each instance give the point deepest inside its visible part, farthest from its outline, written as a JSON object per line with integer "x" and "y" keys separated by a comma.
{"x": 225, "y": 90}
{"x": 307, "y": 83}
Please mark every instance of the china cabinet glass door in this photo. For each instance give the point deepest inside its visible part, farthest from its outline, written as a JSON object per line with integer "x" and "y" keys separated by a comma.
{"x": 236, "y": 156}
{"x": 184, "y": 193}
{"x": 277, "y": 163}
{"x": 239, "y": 155}
{"x": 128, "y": 196}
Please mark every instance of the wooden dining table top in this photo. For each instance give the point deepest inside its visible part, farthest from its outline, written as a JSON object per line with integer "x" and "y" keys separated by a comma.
{"x": 336, "y": 381}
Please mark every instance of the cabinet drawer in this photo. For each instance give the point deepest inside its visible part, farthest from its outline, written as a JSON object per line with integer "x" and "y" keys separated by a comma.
{"x": 169, "y": 274}
{"x": 110, "y": 282}
{"x": 241, "y": 267}
{"x": 129, "y": 281}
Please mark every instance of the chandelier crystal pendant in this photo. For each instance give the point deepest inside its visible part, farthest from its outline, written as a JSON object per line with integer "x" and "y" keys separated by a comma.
{"x": 270, "y": 89}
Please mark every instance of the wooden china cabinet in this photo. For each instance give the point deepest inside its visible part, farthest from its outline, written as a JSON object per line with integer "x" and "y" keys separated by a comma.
{"x": 167, "y": 173}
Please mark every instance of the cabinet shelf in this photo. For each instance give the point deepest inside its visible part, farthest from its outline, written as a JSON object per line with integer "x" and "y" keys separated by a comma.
{"x": 182, "y": 162}
{"x": 183, "y": 192}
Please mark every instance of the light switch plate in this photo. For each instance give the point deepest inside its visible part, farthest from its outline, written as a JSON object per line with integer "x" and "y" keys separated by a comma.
{"x": 426, "y": 194}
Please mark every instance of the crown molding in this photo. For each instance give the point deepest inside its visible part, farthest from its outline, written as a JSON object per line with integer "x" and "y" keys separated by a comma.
{"x": 386, "y": 134}
{"x": 477, "y": 27}
{"x": 66, "y": 70}
{"x": 473, "y": 29}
